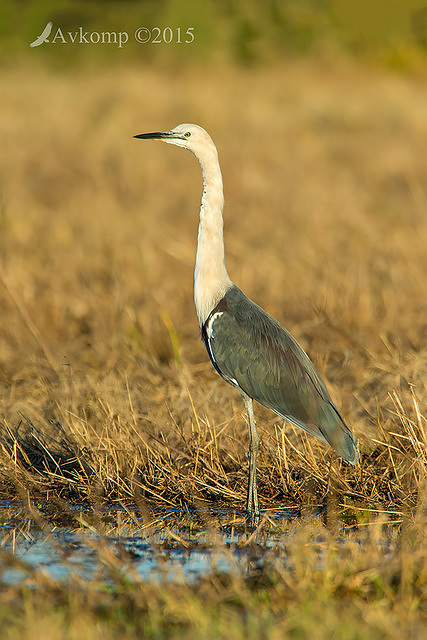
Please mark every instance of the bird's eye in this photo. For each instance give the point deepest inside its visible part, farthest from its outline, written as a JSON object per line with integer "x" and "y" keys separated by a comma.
{"x": 187, "y": 134}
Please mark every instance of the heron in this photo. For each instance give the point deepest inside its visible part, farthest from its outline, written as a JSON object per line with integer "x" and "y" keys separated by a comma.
{"x": 249, "y": 348}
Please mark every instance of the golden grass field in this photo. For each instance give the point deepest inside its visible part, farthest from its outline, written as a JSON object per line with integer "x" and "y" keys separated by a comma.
{"x": 107, "y": 394}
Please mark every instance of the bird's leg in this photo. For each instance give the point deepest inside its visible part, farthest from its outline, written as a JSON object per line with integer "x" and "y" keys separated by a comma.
{"x": 252, "y": 502}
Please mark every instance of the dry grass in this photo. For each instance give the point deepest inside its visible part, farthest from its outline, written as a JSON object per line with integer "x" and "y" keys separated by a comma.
{"x": 106, "y": 392}
{"x": 325, "y": 227}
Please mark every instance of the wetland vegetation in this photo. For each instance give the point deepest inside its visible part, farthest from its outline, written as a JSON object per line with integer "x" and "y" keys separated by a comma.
{"x": 123, "y": 455}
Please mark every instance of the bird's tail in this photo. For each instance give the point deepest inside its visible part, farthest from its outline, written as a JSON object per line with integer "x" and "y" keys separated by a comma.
{"x": 338, "y": 435}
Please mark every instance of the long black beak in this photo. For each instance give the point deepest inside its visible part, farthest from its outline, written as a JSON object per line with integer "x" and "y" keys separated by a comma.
{"x": 159, "y": 135}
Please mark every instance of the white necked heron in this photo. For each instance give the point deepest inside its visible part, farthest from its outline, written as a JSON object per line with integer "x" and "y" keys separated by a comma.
{"x": 247, "y": 346}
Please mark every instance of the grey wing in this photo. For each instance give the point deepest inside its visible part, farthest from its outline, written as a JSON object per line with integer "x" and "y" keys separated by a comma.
{"x": 250, "y": 347}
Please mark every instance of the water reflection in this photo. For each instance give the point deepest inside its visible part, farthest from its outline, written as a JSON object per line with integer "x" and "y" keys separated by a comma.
{"x": 172, "y": 545}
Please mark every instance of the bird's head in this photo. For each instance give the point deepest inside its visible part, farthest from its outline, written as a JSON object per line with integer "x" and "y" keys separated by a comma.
{"x": 189, "y": 136}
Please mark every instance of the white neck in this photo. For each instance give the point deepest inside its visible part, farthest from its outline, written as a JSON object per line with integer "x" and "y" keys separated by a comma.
{"x": 211, "y": 279}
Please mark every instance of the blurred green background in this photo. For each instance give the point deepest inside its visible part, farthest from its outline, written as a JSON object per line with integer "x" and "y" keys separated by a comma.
{"x": 246, "y": 32}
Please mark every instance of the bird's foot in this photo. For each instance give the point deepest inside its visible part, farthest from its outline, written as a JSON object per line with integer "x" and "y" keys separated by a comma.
{"x": 252, "y": 507}
{"x": 252, "y": 519}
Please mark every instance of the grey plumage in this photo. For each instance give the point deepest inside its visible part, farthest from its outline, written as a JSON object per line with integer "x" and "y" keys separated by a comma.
{"x": 252, "y": 351}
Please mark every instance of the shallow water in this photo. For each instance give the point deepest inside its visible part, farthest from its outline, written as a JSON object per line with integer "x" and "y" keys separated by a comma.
{"x": 171, "y": 545}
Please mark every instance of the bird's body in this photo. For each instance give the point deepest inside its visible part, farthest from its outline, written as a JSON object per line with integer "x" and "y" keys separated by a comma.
{"x": 254, "y": 353}
{"x": 248, "y": 347}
